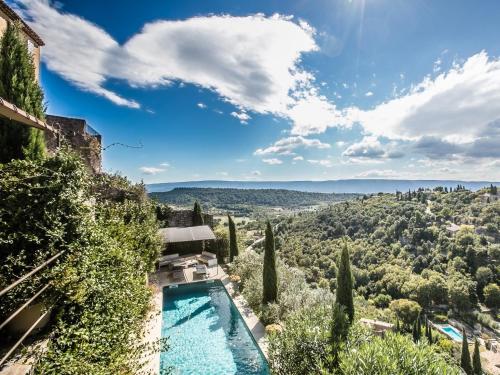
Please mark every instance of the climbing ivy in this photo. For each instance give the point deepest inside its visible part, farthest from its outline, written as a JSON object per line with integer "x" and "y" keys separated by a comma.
{"x": 98, "y": 286}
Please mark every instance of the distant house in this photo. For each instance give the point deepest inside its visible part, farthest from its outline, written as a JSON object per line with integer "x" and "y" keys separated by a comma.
{"x": 378, "y": 327}
{"x": 33, "y": 40}
{"x": 453, "y": 228}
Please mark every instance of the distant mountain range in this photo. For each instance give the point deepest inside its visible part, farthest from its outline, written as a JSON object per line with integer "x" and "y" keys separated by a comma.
{"x": 364, "y": 186}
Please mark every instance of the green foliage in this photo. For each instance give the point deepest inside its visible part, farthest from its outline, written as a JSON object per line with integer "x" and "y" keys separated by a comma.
{"x": 219, "y": 246}
{"x": 465, "y": 356}
{"x": 344, "y": 284}
{"x": 407, "y": 311}
{"x": 98, "y": 292}
{"x": 18, "y": 85}
{"x": 394, "y": 355}
{"x": 492, "y": 295}
{"x": 197, "y": 214}
{"x": 233, "y": 241}
{"x": 304, "y": 344}
{"x": 476, "y": 360}
{"x": 269, "y": 275}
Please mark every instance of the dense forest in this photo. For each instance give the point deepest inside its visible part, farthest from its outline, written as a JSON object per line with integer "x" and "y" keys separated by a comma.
{"x": 229, "y": 198}
{"x": 436, "y": 247}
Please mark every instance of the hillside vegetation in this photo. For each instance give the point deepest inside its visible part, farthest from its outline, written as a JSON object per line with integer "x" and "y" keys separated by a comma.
{"x": 433, "y": 247}
{"x": 229, "y": 198}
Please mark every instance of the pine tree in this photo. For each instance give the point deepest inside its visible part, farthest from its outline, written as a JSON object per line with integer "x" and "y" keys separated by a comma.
{"x": 18, "y": 86}
{"x": 233, "y": 242}
{"x": 270, "y": 276}
{"x": 344, "y": 284}
{"x": 465, "y": 358}
{"x": 197, "y": 215}
{"x": 476, "y": 360}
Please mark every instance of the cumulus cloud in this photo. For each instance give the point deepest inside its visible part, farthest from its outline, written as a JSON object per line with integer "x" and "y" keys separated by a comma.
{"x": 298, "y": 158}
{"x": 286, "y": 146}
{"x": 456, "y": 105}
{"x": 369, "y": 149}
{"x": 201, "y": 105}
{"x": 151, "y": 170}
{"x": 272, "y": 161}
{"x": 209, "y": 51}
{"x": 369, "y": 93}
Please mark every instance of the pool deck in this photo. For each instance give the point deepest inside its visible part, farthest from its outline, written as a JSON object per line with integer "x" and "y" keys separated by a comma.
{"x": 163, "y": 278}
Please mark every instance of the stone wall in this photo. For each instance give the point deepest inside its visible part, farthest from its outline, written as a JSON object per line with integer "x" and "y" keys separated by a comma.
{"x": 74, "y": 133}
{"x": 184, "y": 218}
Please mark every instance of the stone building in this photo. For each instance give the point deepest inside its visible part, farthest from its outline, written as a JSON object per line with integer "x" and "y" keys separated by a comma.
{"x": 33, "y": 40}
{"x": 184, "y": 218}
{"x": 79, "y": 136}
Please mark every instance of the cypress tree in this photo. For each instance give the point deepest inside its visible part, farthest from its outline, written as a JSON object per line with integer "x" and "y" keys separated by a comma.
{"x": 18, "y": 86}
{"x": 197, "y": 215}
{"x": 344, "y": 284}
{"x": 465, "y": 358}
{"x": 270, "y": 276}
{"x": 233, "y": 242}
{"x": 476, "y": 360}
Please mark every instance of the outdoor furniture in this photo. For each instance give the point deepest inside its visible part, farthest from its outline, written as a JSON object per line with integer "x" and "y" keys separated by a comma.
{"x": 167, "y": 259}
{"x": 184, "y": 263}
{"x": 201, "y": 270}
{"x": 210, "y": 259}
{"x": 178, "y": 274}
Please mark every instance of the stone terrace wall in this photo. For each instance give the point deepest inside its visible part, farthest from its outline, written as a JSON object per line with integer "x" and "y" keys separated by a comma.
{"x": 73, "y": 132}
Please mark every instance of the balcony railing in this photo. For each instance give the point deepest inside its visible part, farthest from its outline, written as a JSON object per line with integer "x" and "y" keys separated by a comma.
{"x": 91, "y": 131}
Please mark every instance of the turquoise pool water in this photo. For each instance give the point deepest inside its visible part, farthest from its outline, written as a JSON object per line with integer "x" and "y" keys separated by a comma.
{"x": 206, "y": 333}
{"x": 452, "y": 332}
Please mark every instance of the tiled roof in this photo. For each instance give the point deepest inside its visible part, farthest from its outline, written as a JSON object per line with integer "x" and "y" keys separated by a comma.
{"x": 15, "y": 17}
{"x": 10, "y": 111}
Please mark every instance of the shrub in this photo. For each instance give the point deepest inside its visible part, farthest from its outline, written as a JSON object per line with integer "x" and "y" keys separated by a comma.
{"x": 303, "y": 345}
{"x": 394, "y": 354}
{"x": 492, "y": 295}
{"x": 382, "y": 300}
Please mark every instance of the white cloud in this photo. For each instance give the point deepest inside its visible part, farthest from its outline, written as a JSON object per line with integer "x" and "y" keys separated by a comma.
{"x": 340, "y": 143}
{"x": 369, "y": 93}
{"x": 209, "y": 51}
{"x": 224, "y": 174}
{"x": 286, "y": 146}
{"x": 256, "y": 173}
{"x": 456, "y": 105}
{"x": 165, "y": 164}
{"x": 151, "y": 170}
{"x": 298, "y": 158}
{"x": 242, "y": 116}
{"x": 324, "y": 162}
{"x": 370, "y": 149}
{"x": 272, "y": 161}
{"x": 201, "y": 105}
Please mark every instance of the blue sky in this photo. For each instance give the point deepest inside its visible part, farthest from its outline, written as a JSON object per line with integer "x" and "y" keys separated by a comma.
{"x": 279, "y": 90}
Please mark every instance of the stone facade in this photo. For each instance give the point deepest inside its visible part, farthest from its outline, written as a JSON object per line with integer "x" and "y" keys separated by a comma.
{"x": 34, "y": 41}
{"x": 79, "y": 136}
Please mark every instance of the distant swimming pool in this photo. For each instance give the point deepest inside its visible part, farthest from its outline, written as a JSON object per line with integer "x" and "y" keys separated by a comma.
{"x": 452, "y": 332}
{"x": 207, "y": 334}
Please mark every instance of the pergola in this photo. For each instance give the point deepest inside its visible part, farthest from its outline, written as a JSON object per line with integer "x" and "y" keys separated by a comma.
{"x": 188, "y": 234}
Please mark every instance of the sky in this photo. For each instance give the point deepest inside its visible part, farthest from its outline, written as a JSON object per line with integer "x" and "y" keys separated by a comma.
{"x": 278, "y": 90}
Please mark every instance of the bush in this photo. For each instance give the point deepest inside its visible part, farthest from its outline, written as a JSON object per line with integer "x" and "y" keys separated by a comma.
{"x": 492, "y": 296}
{"x": 395, "y": 354}
{"x": 99, "y": 295}
{"x": 382, "y": 300}
{"x": 303, "y": 345}
{"x": 270, "y": 314}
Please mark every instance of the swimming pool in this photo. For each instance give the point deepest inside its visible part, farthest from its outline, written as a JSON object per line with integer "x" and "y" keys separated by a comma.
{"x": 452, "y": 332}
{"x": 207, "y": 334}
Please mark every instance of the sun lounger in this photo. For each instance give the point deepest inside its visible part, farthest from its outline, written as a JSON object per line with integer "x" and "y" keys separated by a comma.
{"x": 201, "y": 270}
{"x": 210, "y": 259}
